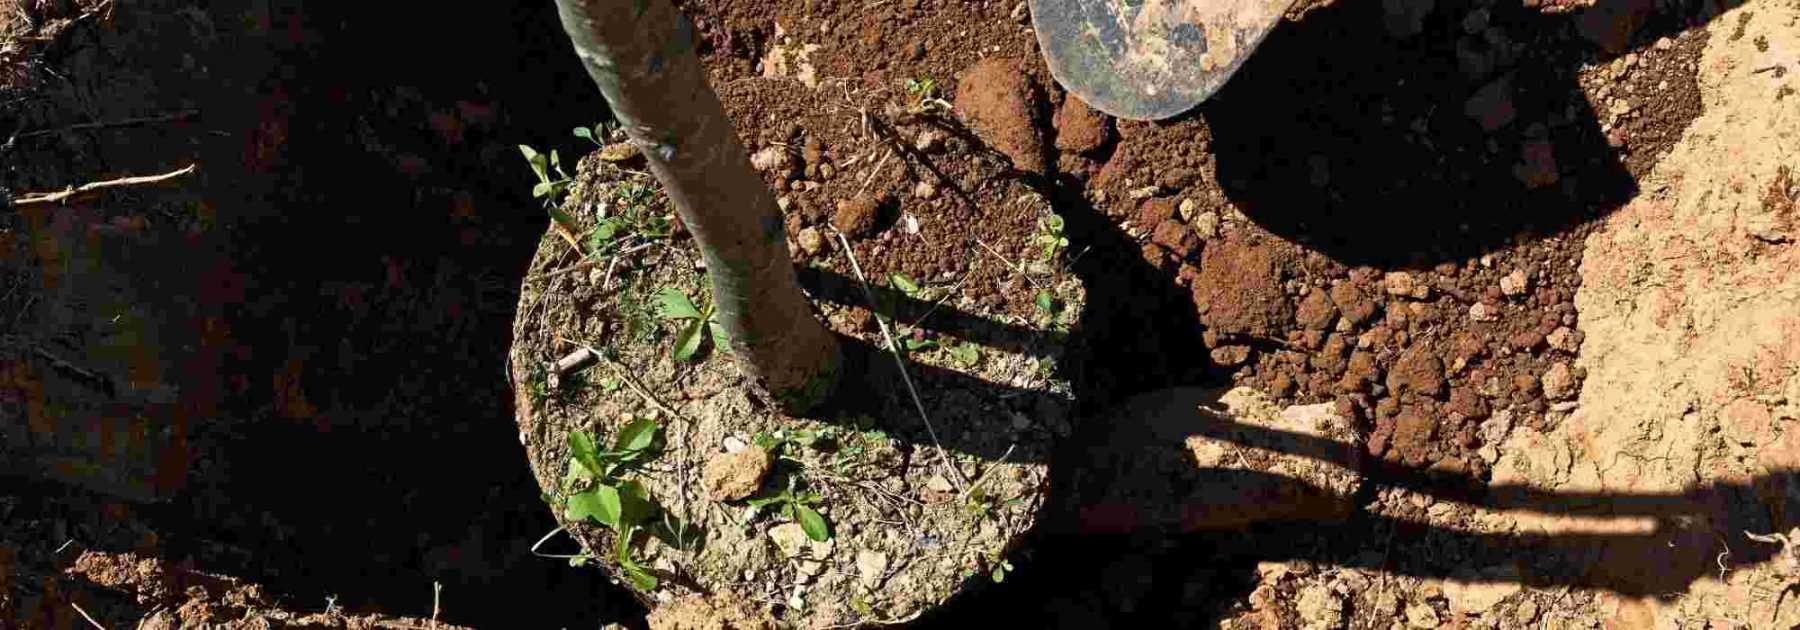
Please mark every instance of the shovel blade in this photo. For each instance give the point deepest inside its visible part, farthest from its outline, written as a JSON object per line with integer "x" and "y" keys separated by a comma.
{"x": 1149, "y": 59}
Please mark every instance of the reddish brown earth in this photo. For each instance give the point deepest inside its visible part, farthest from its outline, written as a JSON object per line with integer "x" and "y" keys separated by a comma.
{"x": 1380, "y": 213}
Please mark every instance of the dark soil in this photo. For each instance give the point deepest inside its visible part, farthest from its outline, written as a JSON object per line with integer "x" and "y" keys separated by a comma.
{"x": 366, "y": 225}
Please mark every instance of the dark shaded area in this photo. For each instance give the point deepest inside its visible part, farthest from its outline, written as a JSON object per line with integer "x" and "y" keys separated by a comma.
{"x": 1371, "y": 148}
{"x": 351, "y": 424}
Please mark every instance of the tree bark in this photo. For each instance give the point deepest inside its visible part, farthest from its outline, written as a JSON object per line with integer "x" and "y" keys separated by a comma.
{"x": 641, "y": 53}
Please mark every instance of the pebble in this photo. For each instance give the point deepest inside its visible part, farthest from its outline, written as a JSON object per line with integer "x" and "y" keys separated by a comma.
{"x": 1481, "y": 312}
{"x": 929, "y": 141}
{"x": 1516, "y": 283}
{"x": 1558, "y": 382}
{"x": 1401, "y": 283}
{"x": 1021, "y": 13}
{"x": 1207, "y": 225}
{"x": 925, "y": 190}
{"x": 1187, "y": 209}
{"x": 1564, "y": 339}
{"x": 811, "y": 241}
{"x": 1140, "y": 194}
{"x": 770, "y": 158}
{"x": 1422, "y": 616}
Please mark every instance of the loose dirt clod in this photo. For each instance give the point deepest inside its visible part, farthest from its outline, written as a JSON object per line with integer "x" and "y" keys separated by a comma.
{"x": 1079, "y": 128}
{"x": 858, "y": 216}
{"x": 999, "y": 101}
{"x": 733, "y": 476}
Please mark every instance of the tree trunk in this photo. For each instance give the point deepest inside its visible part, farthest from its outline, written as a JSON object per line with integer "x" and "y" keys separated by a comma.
{"x": 641, "y": 54}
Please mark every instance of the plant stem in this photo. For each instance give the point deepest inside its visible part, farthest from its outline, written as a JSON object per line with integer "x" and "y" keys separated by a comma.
{"x": 641, "y": 55}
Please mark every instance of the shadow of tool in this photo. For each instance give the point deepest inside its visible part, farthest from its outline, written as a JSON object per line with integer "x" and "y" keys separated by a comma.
{"x": 1440, "y": 145}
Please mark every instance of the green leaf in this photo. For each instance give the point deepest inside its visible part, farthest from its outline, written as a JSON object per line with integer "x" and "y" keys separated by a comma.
{"x": 584, "y": 132}
{"x": 639, "y": 578}
{"x": 635, "y": 505}
{"x": 581, "y": 449}
{"x": 637, "y": 436}
{"x": 814, "y": 524}
{"x": 606, "y": 505}
{"x": 559, "y": 216}
{"x": 584, "y": 505}
{"x": 688, "y": 342}
{"x": 555, "y": 159}
{"x": 920, "y": 343}
{"x": 1046, "y": 302}
{"x": 721, "y": 340}
{"x": 676, "y": 305}
{"x": 762, "y": 501}
{"x": 966, "y": 355}
{"x": 1056, "y": 223}
{"x": 904, "y": 284}
{"x": 531, "y": 155}
{"x": 541, "y": 189}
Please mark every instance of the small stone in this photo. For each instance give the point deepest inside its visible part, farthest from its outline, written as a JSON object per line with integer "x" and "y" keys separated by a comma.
{"x": 1526, "y": 613}
{"x": 871, "y": 566}
{"x": 734, "y": 444}
{"x": 1537, "y": 164}
{"x": 929, "y": 141}
{"x": 925, "y": 190}
{"x": 1516, "y": 283}
{"x": 827, "y": 171}
{"x": 770, "y": 158}
{"x": 1565, "y": 339}
{"x": 1145, "y": 192}
{"x": 1492, "y": 105}
{"x": 1402, "y": 284}
{"x": 619, "y": 152}
{"x": 1174, "y": 236}
{"x": 1481, "y": 312}
{"x": 733, "y": 476}
{"x": 1207, "y": 225}
{"x": 1664, "y": 43}
{"x": 811, "y": 241}
{"x": 1320, "y": 608}
{"x": 1021, "y": 13}
{"x": 1187, "y": 209}
{"x": 790, "y": 538}
{"x": 1422, "y": 616}
{"x": 1558, "y": 382}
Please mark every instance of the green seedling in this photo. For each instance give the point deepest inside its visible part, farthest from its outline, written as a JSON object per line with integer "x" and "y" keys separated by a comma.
{"x": 787, "y": 443}
{"x": 677, "y": 307}
{"x": 1047, "y": 303}
{"x": 552, "y": 180}
{"x": 592, "y": 134}
{"x": 1050, "y": 238}
{"x": 797, "y": 506}
{"x": 966, "y": 354}
{"x": 610, "y": 499}
{"x": 1001, "y": 568}
{"x": 925, "y": 90}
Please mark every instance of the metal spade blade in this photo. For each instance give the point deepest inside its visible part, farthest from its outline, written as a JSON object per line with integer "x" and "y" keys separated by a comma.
{"x": 1149, "y": 59}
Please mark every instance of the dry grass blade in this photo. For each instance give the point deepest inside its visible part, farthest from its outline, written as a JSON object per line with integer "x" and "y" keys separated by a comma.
{"x": 72, "y": 191}
{"x": 894, "y": 349}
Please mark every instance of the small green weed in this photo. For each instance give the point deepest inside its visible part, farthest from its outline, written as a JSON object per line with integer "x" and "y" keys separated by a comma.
{"x": 928, "y": 99}
{"x": 609, "y": 498}
{"x": 966, "y": 355}
{"x": 797, "y": 506}
{"x": 1001, "y": 568}
{"x": 677, "y": 307}
{"x": 592, "y": 134}
{"x": 1050, "y": 238}
{"x": 552, "y": 180}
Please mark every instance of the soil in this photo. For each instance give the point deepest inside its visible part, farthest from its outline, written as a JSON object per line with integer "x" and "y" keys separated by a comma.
{"x": 1472, "y": 231}
{"x": 918, "y": 508}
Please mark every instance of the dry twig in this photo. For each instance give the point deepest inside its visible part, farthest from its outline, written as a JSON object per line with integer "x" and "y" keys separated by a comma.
{"x": 64, "y": 194}
{"x": 894, "y": 349}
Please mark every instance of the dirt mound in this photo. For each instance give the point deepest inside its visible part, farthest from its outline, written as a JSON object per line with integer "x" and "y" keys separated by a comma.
{"x": 870, "y": 513}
